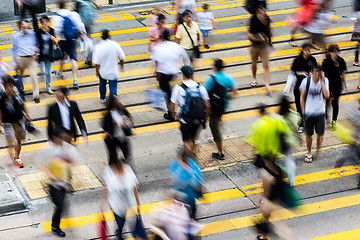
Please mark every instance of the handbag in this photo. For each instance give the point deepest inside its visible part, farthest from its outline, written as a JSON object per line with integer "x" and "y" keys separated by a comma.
{"x": 139, "y": 230}
{"x": 290, "y": 83}
{"x": 56, "y": 54}
{"x": 196, "y": 49}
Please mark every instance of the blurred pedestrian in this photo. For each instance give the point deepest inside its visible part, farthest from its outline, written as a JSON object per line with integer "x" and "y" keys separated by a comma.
{"x": 87, "y": 11}
{"x": 317, "y": 26}
{"x": 152, "y": 22}
{"x": 31, "y": 6}
{"x": 62, "y": 114}
{"x": 188, "y": 35}
{"x": 334, "y": 68}
{"x": 46, "y": 39}
{"x": 106, "y": 55}
{"x": 186, "y": 179}
{"x": 3, "y": 65}
{"x": 68, "y": 27}
{"x": 168, "y": 57}
{"x": 193, "y": 107}
{"x": 156, "y": 31}
{"x": 217, "y": 86}
{"x": 301, "y": 67}
{"x": 313, "y": 90}
{"x": 181, "y": 6}
{"x": 25, "y": 52}
{"x": 117, "y": 125}
{"x": 260, "y": 36}
{"x": 356, "y": 30}
{"x": 56, "y": 164}
{"x": 206, "y": 23}
{"x": 13, "y": 114}
{"x": 120, "y": 191}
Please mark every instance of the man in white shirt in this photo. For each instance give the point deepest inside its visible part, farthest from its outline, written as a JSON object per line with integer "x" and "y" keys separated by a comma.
{"x": 313, "y": 90}
{"x": 105, "y": 58}
{"x": 184, "y": 95}
{"x": 68, "y": 46}
{"x": 168, "y": 57}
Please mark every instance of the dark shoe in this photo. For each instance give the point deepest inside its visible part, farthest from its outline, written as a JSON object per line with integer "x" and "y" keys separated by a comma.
{"x": 36, "y": 100}
{"x": 58, "y": 232}
{"x": 218, "y": 156}
{"x": 89, "y": 63}
{"x": 168, "y": 117}
{"x": 76, "y": 86}
{"x": 358, "y": 185}
{"x": 206, "y": 46}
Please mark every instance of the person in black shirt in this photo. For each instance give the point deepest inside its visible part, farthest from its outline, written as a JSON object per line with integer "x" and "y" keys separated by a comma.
{"x": 334, "y": 68}
{"x": 260, "y": 36}
{"x": 12, "y": 119}
{"x": 302, "y": 67}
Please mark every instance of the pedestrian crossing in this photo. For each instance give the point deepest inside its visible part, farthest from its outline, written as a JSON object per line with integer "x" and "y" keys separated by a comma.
{"x": 238, "y": 59}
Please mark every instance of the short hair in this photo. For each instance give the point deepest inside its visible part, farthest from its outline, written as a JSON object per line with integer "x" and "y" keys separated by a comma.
{"x": 9, "y": 80}
{"x": 64, "y": 90}
{"x": 20, "y": 22}
{"x": 61, "y": 4}
{"x": 165, "y": 34}
{"x": 105, "y": 34}
{"x": 305, "y": 45}
{"x": 333, "y": 48}
{"x": 219, "y": 64}
{"x": 205, "y": 6}
{"x": 44, "y": 17}
{"x": 316, "y": 67}
{"x": 161, "y": 17}
{"x": 187, "y": 13}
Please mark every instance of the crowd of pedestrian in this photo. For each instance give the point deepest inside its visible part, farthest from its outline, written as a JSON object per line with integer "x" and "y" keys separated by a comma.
{"x": 315, "y": 88}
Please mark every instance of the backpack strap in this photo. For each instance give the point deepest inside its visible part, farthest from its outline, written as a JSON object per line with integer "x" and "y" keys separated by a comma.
{"x": 307, "y": 86}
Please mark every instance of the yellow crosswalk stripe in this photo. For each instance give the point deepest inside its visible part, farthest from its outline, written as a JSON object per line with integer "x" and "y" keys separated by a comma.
{"x": 353, "y": 234}
{"x": 207, "y": 198}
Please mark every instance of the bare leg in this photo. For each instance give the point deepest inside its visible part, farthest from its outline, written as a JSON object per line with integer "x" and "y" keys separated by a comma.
{"x": 17, "y": 149}
{"x": 205, "y": 40}
{"x": 267, "y": 79}
{"x": 61, "y": 67}
{"x": 318, "y": 145}
{"x": 219, "y": 145}
{"x": 308, "y": 145}
{"x": 74, "y": 67}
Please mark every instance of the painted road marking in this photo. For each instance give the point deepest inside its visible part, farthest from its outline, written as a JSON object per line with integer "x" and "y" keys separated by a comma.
{"x": 208, "y": 197}
{"x": 353, "y": 234}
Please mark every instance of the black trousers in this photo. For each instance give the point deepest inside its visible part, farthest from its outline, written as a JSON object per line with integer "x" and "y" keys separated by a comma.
{"x": 112, "y": 144}
{"x": 334, "y": 100}
{"x": 164, "y": 85}
{"x": 58, "y": 197}
{"x": 297, "y": 102}
{"x": 32, "y": 11}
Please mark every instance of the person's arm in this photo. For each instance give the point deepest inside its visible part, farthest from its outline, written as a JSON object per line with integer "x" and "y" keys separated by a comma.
{"x": 255, "y": 37}
{"x": 200, "y": 37}
{"x": 80, "y": 121}
{"x": 343, "y": 75}
{"x": 97, "y": 69}
{"x": 213, "y": 23}
{"x": 208, "y": 109}
{"x": 26, "y": 113}
{"x": 14, "y": 50}
{"x": 178, "y": 34}
{"x": 121, "y": 56}
{"x": 302, "y": 101}
{"x": 172, "y": 109}
{"x": 136, "y": 193}
{"x": 325, "y": 87}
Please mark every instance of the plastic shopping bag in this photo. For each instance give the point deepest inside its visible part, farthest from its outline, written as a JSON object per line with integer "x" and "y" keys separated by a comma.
{"x": 103, "y": 228}
{"x": 290, "y": 83}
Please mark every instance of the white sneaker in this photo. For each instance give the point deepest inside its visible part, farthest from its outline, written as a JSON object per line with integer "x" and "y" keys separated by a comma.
{"x": 103, "y": 100}
{"x": 300, "y": 129}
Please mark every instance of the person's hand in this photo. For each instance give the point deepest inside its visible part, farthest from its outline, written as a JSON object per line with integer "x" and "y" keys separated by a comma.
{"x": 27, "y": 117}
{"x": 20, "y": 4}
{"x": 174, "y": 115}
{"x": 201, "y": 43}
{"x": 2, "y": 131}
{"x": 35, "y": 57}
{"x": 304, "y": 74}
{"x": 53, "y": 38}
{"x": 122, "y": 68}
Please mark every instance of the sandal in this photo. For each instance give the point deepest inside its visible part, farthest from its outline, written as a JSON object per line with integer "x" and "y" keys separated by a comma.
{"x": 356, "y": 64}
{"x": 258, "y": 237}
{"x": 253, "y": 84}
{"x": 308, "y": 159}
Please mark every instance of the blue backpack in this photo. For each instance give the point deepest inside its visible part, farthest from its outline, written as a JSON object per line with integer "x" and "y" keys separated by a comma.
{"x": 69, "y": 29}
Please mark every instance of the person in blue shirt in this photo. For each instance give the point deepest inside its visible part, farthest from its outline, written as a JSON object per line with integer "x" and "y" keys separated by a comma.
{"x": 218, "y": 84}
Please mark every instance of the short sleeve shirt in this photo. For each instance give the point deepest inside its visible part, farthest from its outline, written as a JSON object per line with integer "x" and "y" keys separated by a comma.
{"x": 256, "y": 26}
{"x": 185, "y": 41}
{"x": 301, "y": 64}
{"x": 11, "y": 108}
{"x": 314, "y": 104}
{"x": 178, "y": 94}
{"x": 333, "y": 72}
{"x": 223, "y": 79}
{"x": 205, "y": 20}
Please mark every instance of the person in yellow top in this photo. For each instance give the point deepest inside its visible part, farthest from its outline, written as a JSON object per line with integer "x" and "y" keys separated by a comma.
{"x": 186, "y": 30}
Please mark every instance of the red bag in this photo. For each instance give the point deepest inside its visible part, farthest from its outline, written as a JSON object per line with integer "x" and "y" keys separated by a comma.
{"x": 103, "y": 229}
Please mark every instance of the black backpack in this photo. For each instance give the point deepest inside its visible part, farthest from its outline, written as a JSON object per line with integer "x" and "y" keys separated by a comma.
{"x": 194, "y": 109}
{"x": 217, "y": 98}
{"x": 251, "y": 5}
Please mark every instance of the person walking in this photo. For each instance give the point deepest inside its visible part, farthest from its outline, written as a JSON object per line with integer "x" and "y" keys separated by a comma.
{"x": 301, "y": 67}
{"x": 168, "y": 57}
{"x": 46, "y": 39}
{"x": 25, "y": 54}
{"x": 181, "y": 6}
{"x": 188, "y": 35}
{"x": 68, "y": 26}
{"x": 187, "y": 179}
{"x": 206, "y": 23}
{"x": 156, "y": 31}
{"x": 13, "y": 114}
{"x": 31, "y": 6}
{"x": 106, "y": 55}
{"x": 357, "y": 29}
{"x": 193, "y": 107}
{"x": 217, "y": 86}
{"x": 334, "y": 68}
{"x": 260, "y": 36}
{"x": 313, "y": 90}
{"x": 120, "y": 191}
{"x": 62, "y": 113}
{"x": 117, "y": 125}
{"x": 56, "y": 163}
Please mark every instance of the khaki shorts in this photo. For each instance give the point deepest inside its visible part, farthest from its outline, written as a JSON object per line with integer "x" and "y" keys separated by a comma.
{"x": 14, "y": 131}
{"x": 262, "y": 51}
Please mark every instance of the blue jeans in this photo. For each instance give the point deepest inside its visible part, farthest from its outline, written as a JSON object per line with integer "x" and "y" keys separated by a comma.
{"x": 47, "y": 65}
{"x": 112, "y": 87}
{"x": 120, "y": 221}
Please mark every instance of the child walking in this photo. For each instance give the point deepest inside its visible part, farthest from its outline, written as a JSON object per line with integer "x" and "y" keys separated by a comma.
{"x": 206, "y": 23}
